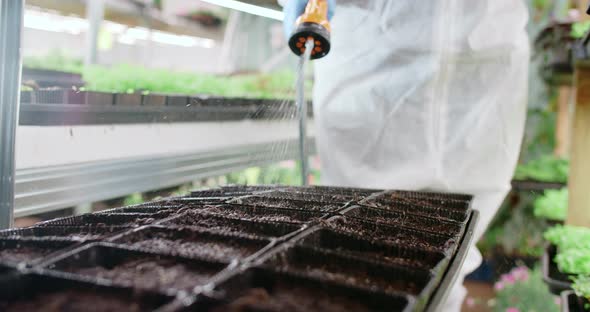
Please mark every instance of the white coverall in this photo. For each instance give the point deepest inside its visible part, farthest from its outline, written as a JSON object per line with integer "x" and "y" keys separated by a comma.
{"x": 425, "y": 95}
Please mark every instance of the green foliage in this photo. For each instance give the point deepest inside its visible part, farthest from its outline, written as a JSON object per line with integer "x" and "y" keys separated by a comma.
{"x": 573, "y": 248}
{"x": 539, "y": 138}
{"x": 55, "y": 60}
{"x": 523, "y": 290}
{"x": 545, "y": 169}
{"x": 568, "y": 237}
{"x": 132, "y": 78}
{"x": 134, "y": 199}
{"x": 581, "y": 286}
{"x": 579, "y": 29}
{"x": 514, "y": 230}
{"x": 552, "y": 205}
{"x": 573, "y": 261}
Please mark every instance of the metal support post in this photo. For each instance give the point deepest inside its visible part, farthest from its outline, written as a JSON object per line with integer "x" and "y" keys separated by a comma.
{"x": 95, "y": 15}
{"x": 11, "y": 17}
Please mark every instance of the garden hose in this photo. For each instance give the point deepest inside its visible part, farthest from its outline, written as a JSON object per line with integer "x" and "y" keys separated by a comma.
{"x": 313, "y": 25}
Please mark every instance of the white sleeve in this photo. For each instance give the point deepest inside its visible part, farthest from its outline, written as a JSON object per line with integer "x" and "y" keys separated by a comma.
{"x": 282, "y": 2}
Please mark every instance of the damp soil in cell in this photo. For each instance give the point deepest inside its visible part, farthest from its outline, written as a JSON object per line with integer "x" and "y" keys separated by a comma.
{"x": 192, "y": 243}
{"x": 388, "y": 234}
{"x": 350, "y": 271}
{"x": 75, "y": 233}
{"x": 138, "y": 269}
{"x": 261, "y": 201}
{"x": 372, "y": 250}
{"x": 263, "y": 214}
{"x": 215, "y": 222}
{"x": 268, "y": 291}
{"x": 13, "y": 251}
{"x": 431, "y": 224}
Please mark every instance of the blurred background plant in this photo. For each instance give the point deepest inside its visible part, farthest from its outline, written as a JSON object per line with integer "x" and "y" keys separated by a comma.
{"x": 523, "y": 290}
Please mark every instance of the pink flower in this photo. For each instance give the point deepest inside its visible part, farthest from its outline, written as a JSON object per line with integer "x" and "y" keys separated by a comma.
{"x": 557, "y": 300}
{"x": 520, "y": 273}
{"x": 470, "y": 302}
{"x": 512, "y": 309}
{"x": 499, "y": 286}
{"x": 508, "y": 279}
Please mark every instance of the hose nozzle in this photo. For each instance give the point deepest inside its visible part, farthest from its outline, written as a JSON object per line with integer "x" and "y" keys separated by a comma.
{"x": 312, "y": 24}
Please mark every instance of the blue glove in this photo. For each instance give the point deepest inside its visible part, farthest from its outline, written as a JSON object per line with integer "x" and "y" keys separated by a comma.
{"x": 294, "y": 8}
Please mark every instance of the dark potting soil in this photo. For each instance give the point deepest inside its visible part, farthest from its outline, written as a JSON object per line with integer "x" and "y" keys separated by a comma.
{"x": 389, "y": 259}
{"x": 231, "y": 225}
{"x": 261, "y": 214}
{"x": 290, "y": 298}
{"x": 23, "y": 253}
{"x": 260, "y": 201}
{"x": 313, "y": 197}
{"x": 73, "y": 301}
{"x": 152, "y": 273}
{"x": 391, "y": 235}
{"x": 193, "y": 245}
{"x": 431, "y": 224}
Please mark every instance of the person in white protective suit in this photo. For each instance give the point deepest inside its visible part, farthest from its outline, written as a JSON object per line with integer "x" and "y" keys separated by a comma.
{"x": 423, "y": 95}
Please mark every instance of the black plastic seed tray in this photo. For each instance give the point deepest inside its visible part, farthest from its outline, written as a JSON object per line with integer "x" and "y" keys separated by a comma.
{"x": 282, "y": 203}
{"x": 313, "y": 197}
{"x": 331, "y": 266}
{"x": 423, "y": 223}
{"x": 392, "y": 235}
{"x": 153, "y": 207}
{"x": 427, "y": 195}
{"x": 75, "y": 233}
{"x": 138, "y": 269}
{"x": 436, "y": 202}
{"x": 110, "y": 219}
{"x": 572, "y": 303}
{"x": 194, "y": 243}
{"x": 260, "y": 213}
{"x": 259, "y": 289}
{"x": 531, "y": 185}
{"x": 30, "y": 251}
{"x": 362, "y": 248}
{"x": 232, "y": 191}
{"x": 235, "y": 225}
{"x": 43, "y": 291}
{"x": 333, "y": 190}
{"x": 421, "y": 208}
{"x": 555, "y": 280}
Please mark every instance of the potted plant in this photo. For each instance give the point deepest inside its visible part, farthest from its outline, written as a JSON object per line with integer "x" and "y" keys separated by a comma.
{"x": 568, "y": 255}
{"x": 552, "y": 206}
{"x": 522, "y": 289}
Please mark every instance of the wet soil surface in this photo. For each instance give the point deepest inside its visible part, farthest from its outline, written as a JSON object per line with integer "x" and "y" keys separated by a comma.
{"x": 261, "y": 201}
{"x": 73, "y": 233}
{"x": 152, "y": 273}
{"x": 262, "y": 214}
{"x": 441, "y": 226}
{"x": 24, "y": 253}
{"x": 362, "y": 276}
{"x": 242, "y": 225}
{"x": 74, "y": 301}
{"x": 193, "y": 244}
{"x": 291, "y": 298}
{"x": 314, "y": 197}
{"x": 391, "y": 235}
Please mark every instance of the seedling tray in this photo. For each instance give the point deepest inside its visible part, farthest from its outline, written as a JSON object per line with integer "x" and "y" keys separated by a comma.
{"x": 138, "y": 269}
{"x": 362, "y": 248}
{"x": 235, "y": 225}
{"x": 260, "y": 289}
{"x": 29, "y": 251}
{"x": 105, "y": 219}
{"x": 442, "y": 226}
{"x": 555, "y": 280}
{"x": 260, "y": 213}
{"x": 259, "y": 248}
{"x": 48, "y": 292}
{"x": 338, "y": 268}
{"x": 75, "y": 233}
{"x": 282, "y": 203}
{"x": 194, "y": 243}
{"x": 392, "y": 235}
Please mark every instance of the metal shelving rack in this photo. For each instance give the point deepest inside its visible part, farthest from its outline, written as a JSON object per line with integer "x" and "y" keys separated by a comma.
{"x": 44, "y": 178}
